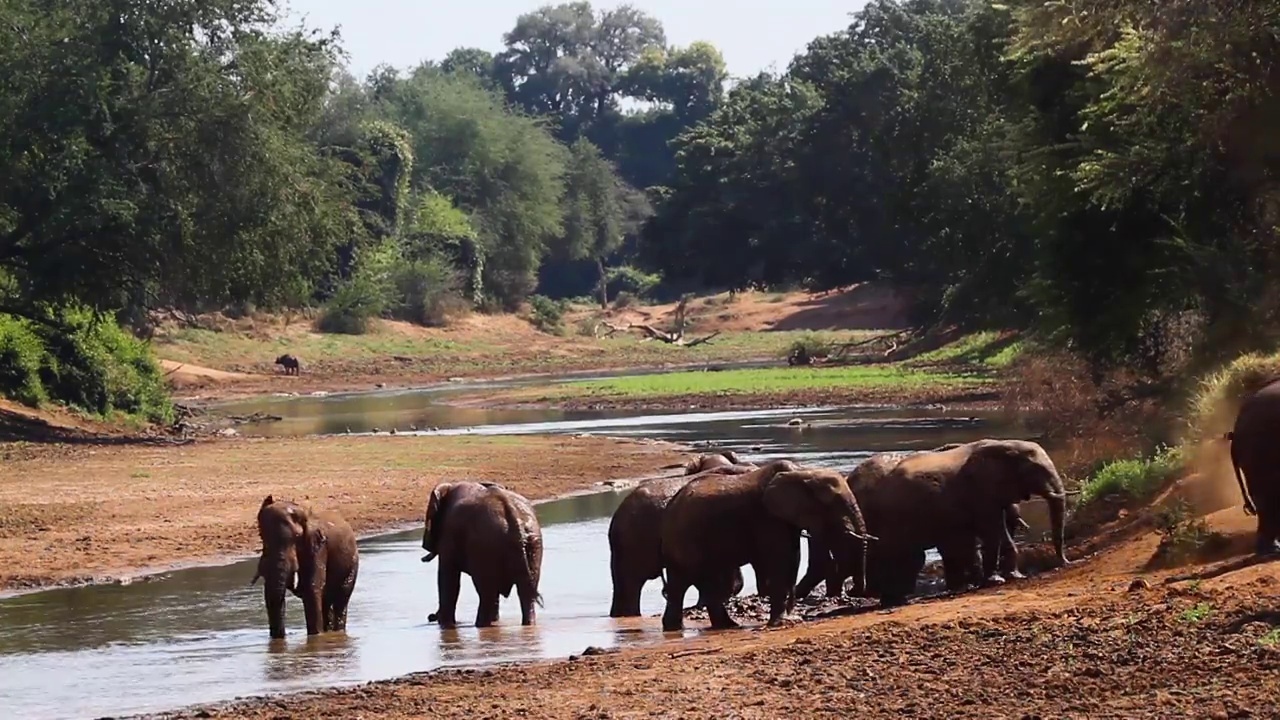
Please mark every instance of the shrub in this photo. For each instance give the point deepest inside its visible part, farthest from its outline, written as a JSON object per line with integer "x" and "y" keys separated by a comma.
{"x": 630, "y": 280}
{"x": 1218, "y": 399}
{"x": 21, "y": 355}
{"x": 355, "y": 303}
{"x": 84, "y": 360}
{"x": 425, "y": 291}
{"x": 808, "y": 346}
{"x": 546, "y": 314}
{"x": 1133, "y": 479}
{"x": 1183, "y": 536}
{"x": 624, "y": 299}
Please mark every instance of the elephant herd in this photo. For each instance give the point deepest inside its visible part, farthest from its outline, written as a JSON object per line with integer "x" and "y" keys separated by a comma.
{"x": 697, "y": 530}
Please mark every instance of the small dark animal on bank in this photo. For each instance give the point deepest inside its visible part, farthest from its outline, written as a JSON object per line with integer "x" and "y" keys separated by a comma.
{"x": 290, "y": 364}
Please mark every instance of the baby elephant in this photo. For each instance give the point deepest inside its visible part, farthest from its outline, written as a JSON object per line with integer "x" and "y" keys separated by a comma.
{"x": 491, "y": 534}
{"x": 290, "y": 364}
{"x": 311, "y": 554}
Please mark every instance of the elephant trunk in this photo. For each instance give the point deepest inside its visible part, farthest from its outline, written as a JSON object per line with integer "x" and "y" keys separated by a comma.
{"x": 279, "y": 579}
{"x": 1057, "y": 521}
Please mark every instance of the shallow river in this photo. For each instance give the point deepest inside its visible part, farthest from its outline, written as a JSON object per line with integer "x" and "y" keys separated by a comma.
{"x": 199, "y": 635}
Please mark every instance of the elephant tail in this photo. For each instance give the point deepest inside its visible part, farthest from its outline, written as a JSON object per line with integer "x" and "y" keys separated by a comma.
{"x": 1235, "y": 465}
{"x": 528, "y": 548}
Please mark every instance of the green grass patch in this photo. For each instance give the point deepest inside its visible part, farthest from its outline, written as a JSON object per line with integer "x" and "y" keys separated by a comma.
{"x": 992, "y": 348}
{"x": 1197, "y": 614}
{"x": 1134, "y": 478}
{"x": 1219, "y": 395}
{"x": 762, "y": 380}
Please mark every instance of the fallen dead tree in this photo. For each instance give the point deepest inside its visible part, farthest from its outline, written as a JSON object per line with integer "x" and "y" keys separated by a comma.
{"x": 671, "y": 337}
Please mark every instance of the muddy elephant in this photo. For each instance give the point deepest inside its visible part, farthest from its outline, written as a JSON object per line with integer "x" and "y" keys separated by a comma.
{"x": 491, "y": 534}
{"x": 951, "y": 500}
{"x": 634, "y": 536}
{"x": 311, "y": 554}
{"x": 1255, "y": 459}
{"x": 719, "y": 522}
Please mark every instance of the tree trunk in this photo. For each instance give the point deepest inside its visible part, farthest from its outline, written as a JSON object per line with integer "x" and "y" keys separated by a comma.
{"x": 604, "y": 285}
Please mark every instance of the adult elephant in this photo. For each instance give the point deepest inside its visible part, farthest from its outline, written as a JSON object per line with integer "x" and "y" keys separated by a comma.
{"x": 311, "y": 554}
{"x": 1255, "y": 458}
{"x": 718, "y": 522}
{"x": 950, "y": 500}
{"x": 491, "y": 534}
{"x": 635, "y": 535}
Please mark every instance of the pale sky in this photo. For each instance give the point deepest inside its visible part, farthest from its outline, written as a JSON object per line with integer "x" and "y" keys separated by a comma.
{"x": 754, "y": 35}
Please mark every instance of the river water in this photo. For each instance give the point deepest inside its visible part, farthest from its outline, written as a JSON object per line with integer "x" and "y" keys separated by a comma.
{"x": 199, "y": 635}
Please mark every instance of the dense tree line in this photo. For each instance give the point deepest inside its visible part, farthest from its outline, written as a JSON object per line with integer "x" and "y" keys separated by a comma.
{"x": 1102, "y": 170}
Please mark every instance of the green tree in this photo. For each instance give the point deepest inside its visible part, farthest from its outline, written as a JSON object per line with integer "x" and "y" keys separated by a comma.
{"x": 601, "y": 210}
{"x": 156, "y": 157}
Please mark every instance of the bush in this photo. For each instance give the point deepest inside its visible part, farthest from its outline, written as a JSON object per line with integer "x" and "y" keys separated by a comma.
{"x": 426, "y": 291}
{"x": 630, "y": 280}
{"x": 1183, "y": 536}
{"x": 21, "y": 356}
{"x": 355, "y": 303}
{"x": 808, "y": 347}
{"x": 1133, "y": 479}
{"x": 1218, "y": 399}
{"x": 624, "y": 299}
{"x": 546, "y": 314}
{"x": 84, "y": 360}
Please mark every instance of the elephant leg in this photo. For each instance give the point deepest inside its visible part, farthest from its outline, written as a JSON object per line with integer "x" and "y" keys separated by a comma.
{"x": 994, "y": 534}
{"x": 715, "y": 594}
{"x": 900, "y": 569}
{"x": 449, "y": 584}
{"x": 960, "y": 560}
{"x": 626, "y": 591}
{"x": 819, "y": 569}
{"x": 487, "y": 611}
{"x": 528, "y": 596}
{"x": 313, "y": 607}
{"x": 673, "y": 615}
{"x": 1268, "y": 530}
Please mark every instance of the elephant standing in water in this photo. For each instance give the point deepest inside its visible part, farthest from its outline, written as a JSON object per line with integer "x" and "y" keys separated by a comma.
{"x": 950, "y": 500}
{"x": 491, "y": 534}
{"x": 635, "y": 531}
{"x": 311, "y": 554}
{"x": 717, "y": 523}
{"x": 1255, "y": 458}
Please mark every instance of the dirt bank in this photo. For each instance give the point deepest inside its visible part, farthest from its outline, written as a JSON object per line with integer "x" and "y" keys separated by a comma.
{"x": 84, "y": 512}
{"x": 1080, "y": 642}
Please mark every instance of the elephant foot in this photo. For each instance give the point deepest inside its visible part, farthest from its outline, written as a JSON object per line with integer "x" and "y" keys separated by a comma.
{"x": 992, "y": 580}
{"x": 1015, "y": 575}
{"x": 1267, "y": 548}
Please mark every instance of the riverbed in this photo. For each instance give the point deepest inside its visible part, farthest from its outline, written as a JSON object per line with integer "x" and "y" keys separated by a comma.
{"x": 199, "y": 635}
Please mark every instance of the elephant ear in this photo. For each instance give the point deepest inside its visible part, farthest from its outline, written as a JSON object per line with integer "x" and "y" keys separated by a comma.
{"x": 436, "y": 505}
{"x": 268, "y": 500}
{"x": 790, "y": 496}
{"x": 1011, "y": 472}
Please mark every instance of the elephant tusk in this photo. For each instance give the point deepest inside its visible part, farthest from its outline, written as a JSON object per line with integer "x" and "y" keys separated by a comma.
{"x": 867, "y": 538}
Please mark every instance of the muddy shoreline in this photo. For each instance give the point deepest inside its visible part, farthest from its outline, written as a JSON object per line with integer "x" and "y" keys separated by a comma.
{"x": 90, "y": 513}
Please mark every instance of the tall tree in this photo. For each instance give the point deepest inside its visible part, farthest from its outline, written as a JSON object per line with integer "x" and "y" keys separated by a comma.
{"x": 601, "y": 210}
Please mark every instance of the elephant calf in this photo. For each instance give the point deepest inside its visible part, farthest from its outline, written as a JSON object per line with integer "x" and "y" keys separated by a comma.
{"x": 635, "y": 533}
{"x": 717, "y": 523}
{"x": 311, "y": 554}
{"x": 290, "y": 364}
{"x": 491, "y": 534}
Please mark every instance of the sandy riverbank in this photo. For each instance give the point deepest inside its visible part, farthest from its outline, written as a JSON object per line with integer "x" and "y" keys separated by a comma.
{"x": 85, "y": 512}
